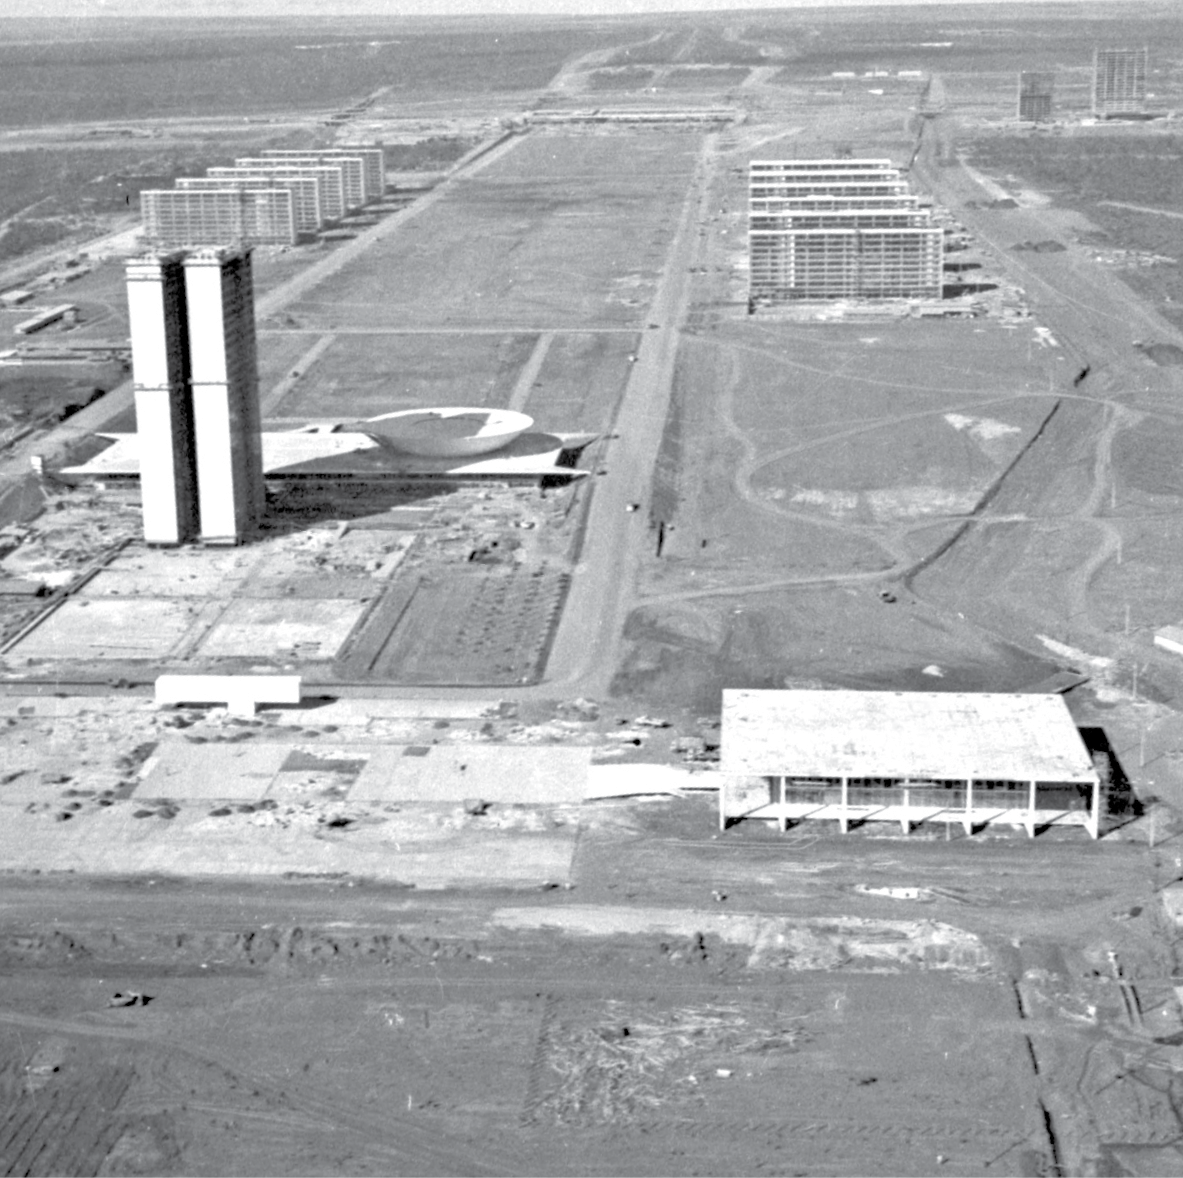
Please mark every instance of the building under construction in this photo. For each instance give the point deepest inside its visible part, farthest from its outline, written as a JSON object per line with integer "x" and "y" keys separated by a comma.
{"x": 1119, "y": 81}
{"x": 829, "y": 229}
{"x": 176, "y": 218}
{"x": 1036, "y": 91}
{"x": 305, "y": 192}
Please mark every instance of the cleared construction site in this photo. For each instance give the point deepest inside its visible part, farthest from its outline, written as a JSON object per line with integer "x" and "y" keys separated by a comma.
{"x": 634, "y": 652}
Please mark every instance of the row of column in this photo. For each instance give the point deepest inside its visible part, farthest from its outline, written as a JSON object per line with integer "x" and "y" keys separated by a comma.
{"x": 966, "y": 817}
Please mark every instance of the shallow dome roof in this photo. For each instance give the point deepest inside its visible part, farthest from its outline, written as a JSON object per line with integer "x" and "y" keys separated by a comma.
{"x": 454, "y": 432}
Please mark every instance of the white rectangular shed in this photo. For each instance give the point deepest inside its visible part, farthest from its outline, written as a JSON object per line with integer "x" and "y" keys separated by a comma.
{"x": 907, "y": 757}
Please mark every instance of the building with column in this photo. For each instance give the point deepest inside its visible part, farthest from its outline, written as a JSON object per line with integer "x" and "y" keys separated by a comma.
{"x": 908, "y": 757}
{"x": 224, "y": 386}
{"x": 164, "y": 412}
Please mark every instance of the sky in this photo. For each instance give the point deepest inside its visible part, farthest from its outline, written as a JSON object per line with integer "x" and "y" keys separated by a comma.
{"x": 261, "y": 8}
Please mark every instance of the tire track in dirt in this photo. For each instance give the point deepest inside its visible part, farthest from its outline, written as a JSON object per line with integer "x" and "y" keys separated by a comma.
{"x": 412, "y": 1145}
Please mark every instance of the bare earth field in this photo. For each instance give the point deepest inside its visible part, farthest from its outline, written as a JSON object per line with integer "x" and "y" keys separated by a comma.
{"x": 466, "y": 909}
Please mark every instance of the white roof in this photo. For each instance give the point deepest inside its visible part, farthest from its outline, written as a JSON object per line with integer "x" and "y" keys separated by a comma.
{"x": 902, "y": 734}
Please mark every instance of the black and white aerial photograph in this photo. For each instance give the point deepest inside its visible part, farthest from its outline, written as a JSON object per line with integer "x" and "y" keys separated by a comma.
{"x": 591, "y": 588}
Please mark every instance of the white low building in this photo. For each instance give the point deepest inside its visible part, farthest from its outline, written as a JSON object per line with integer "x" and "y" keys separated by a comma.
{"x": 906, "y": 757}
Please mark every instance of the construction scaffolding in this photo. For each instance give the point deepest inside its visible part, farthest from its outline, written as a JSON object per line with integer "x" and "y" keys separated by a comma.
{"x": 1035, "y": 97}
{"x": 304, "y": 189}
{"x": 1119, "y": 81}
{"x": 178, "y": 218}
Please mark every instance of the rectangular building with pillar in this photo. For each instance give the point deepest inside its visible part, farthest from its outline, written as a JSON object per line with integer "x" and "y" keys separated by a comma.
{"x": 224, "y": 385}
{"x": 908, "y": 757}
{"x": 164, "y": 411}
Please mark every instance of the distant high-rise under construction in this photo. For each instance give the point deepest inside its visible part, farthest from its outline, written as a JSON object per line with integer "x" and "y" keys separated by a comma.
{"x": 1119, "y": 81}
{"x": 1035, "y": 96}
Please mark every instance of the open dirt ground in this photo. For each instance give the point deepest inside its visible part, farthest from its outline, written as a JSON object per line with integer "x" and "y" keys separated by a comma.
{"x": 368, "y": 938}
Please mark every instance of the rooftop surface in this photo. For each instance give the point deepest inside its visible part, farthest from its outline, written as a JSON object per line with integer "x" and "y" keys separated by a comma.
{"x": 908, "y": 734}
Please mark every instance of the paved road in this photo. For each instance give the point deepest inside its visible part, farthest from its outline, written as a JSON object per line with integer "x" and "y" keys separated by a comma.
{"x": 616, "y": 539}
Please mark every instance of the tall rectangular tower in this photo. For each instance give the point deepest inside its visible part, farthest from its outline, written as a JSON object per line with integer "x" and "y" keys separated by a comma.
{"x": 1035, "y": 96}
{"x": 164, "y": 416}
{"x": 1119, "y": 81}
{"x": 225, "y": 388}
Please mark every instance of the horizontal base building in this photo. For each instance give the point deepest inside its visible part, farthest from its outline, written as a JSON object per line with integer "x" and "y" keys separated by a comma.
{"x": 906, "y": 757}
{"x": 177, "y": 218}
{"x": 793, "y": 264}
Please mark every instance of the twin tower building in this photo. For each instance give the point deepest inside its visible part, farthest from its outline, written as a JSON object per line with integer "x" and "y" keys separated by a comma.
{"x": 195, "y": 373}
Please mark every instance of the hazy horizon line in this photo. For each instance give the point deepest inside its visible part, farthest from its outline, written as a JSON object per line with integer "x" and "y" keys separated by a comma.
{"x": 81, "y": 11}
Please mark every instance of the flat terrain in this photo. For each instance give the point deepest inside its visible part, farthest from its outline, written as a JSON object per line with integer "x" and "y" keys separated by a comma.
{"x": 470, "y": 912}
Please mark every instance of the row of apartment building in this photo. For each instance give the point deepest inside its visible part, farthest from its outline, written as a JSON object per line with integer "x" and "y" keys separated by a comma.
{"x": 843, "y": 228}
{"x": 269, "y": 199}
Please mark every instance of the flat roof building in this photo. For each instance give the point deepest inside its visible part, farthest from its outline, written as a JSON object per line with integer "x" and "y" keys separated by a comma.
{"x": 305, "y": 192}
{"x": 790, "y": 264}
{"x": 906, "y": 757}
{"x": 1119, "y": 81}
{"x": 330, "y": 179}
{"x": 372, "y": 156}
{"x": 176, "y": 218}
{"x": 352, "y": 167}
